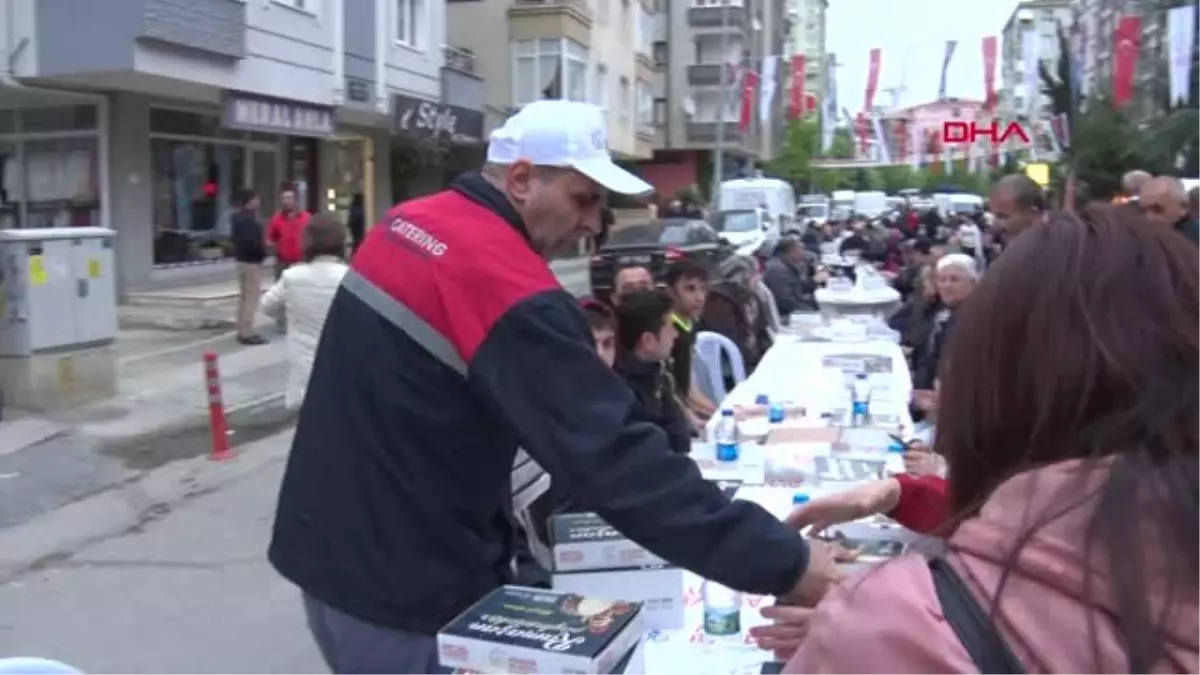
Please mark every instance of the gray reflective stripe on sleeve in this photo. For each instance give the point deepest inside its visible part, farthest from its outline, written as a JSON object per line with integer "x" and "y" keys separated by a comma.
{"x": 405, "y": 319}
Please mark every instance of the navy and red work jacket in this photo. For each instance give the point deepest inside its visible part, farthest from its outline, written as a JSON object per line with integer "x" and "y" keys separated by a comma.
{"x": 449, "y": 344}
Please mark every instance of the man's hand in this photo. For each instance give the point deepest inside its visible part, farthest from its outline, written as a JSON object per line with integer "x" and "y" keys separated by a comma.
{"x": 784, "y": 636}
{"x": 920, "y": 460}
{"x": 821, "y": 575}
{"x": 925, "y": 400}
{"x": 700, "y": 403}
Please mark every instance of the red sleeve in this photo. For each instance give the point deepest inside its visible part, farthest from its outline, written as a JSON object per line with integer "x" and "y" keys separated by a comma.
{"x": 924, "y": 504}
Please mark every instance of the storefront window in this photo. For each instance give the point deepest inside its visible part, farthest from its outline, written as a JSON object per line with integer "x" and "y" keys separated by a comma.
{"x": 49, "y": 167}
{"x": 194, "y": 188}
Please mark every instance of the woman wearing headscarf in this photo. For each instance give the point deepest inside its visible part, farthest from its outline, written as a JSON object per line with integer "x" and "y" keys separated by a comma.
{"x": 734, "y": 310}
{"x": 955, "y": 276}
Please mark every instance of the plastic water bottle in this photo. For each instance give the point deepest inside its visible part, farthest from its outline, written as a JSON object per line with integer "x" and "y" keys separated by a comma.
{"x": 860, "y": 401}
{"x": 800, "y": 499}
{"x": 762, "y": 399}
{"x": 727, "y": 437}
{"x": 722, "y": 610}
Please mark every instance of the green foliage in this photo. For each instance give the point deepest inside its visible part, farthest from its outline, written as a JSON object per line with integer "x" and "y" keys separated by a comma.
{"x": 842, "y": 146}
{"x": 801, "y": 143}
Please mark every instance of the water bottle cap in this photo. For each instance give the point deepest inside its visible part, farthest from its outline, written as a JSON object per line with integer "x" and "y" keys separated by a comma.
{"x": 799, "y": 498}
{"x": 862, "y": 376}
{"x": 727, "y": 413}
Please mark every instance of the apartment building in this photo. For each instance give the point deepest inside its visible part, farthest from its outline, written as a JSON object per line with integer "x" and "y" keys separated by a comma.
{"x": 1099, "y": 19}
{"x": 1043, "y": 17}
{"x": 702, "y": 39}
{"x": 808, "y": 38}
{"x": 582, "y": 50}
{"x": 174, "y": 105}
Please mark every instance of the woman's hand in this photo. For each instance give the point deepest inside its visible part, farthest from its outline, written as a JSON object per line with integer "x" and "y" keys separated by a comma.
{"x": 920, "y": 460}
{"x": 865, "y": 500}
{"x": 786, "y": 635}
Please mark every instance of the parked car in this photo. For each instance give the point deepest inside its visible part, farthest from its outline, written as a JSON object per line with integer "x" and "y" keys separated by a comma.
{"x": 749, "y": 230}
{"x": 656, "y": 244}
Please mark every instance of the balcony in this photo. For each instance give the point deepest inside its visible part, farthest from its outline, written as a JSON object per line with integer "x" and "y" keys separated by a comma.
{"x": 714, "y": 18}
{"x": 706, "y": 132}
{"x": 705, "y": 74}
{"x": 549, "y": 19}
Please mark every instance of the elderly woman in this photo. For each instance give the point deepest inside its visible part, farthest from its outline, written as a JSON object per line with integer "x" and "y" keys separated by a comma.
{"x": 734, "y": 309}
{"x": 303, "y": 294}
{"x": 955, "y": 276}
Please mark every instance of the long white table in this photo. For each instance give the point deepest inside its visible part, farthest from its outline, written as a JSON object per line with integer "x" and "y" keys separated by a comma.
{"x": 800, "y": 373}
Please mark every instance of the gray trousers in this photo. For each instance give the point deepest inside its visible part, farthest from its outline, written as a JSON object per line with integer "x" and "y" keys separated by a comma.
{"x": 351, "y": 645}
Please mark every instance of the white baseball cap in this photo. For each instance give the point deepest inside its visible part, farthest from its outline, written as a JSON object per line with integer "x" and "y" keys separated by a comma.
{"x": 563, "y": 133}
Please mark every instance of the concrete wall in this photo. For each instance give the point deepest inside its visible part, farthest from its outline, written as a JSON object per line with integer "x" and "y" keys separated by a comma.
{"x": 482, "y": 27}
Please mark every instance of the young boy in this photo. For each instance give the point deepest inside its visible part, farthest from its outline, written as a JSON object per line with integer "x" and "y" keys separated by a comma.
{"x": 687, "y": 282}
{"x": 604, "y": 329}
{"x": 646, "y": 332}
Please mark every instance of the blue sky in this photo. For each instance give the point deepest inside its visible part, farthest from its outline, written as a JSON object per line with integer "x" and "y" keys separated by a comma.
{"x": 912, "y": 35}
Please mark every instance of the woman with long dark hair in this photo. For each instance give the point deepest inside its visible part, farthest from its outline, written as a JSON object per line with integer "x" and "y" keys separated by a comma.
{"x": 1069, "y": 422}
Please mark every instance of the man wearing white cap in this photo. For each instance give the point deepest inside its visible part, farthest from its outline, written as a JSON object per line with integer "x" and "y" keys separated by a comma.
{"x": 450, "y": 344}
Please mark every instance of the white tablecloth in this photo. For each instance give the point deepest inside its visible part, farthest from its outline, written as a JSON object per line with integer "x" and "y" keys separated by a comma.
{"x": 800, "y": 373}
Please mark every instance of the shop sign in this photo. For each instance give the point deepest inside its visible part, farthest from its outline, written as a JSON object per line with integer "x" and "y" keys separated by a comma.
{"x": 277, "y": 116}
{"x": 419, "y": 118}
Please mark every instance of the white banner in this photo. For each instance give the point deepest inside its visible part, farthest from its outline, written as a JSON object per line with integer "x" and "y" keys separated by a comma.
{"x": 885, "y": 153}
{"x": 829, "y": 114}
{"x": 1030, "y": 51}
{"x": 1181, "y": 30}
{"x": 766, "y": 90}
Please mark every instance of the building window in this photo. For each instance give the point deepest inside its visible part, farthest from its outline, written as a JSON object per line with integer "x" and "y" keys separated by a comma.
{"x": 645, "y": 104}
{"x": 600, "y": 97}
{"x": 306, "y": 6}
{"x": 623, "y": 113}
{"x": 194, "y": 179}
{"x": 49, "y": 167}
{"x": 660, "y": 53}
{"x": 660, "y": 111}
{"x": 411, "y": 23}
{"x": 539, "y": 67}
{"x": 645, "y": 30}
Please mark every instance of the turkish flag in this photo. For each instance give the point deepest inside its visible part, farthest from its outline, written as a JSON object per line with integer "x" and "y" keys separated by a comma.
{"x": 902, "y": 138}
{"x": 863, "y": 129}
{"x": 1127, "y": 42}
{"x": 749, "y": 85}
{"x": 796, "y": 108}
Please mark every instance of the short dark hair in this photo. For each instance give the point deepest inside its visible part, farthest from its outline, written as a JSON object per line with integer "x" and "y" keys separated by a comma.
{"x": 682, "y": 270}
{"x": 324, "y": 235}
{"x": 243, "y": 196}
{"x": 1025, "y": 191}
{"x": 599, "y": 316}
{"x": 786, "y": 244}
{"x": 640, "y": 313}
{"x": 287, "y": 186}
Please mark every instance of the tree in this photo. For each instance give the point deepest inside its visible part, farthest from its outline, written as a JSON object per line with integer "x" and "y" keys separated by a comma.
{"x": 801, "y": 143}
{"x": 1105, "y": 144}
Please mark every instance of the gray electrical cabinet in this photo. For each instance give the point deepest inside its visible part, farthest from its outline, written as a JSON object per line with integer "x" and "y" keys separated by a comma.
{"x": 59, "y": 303}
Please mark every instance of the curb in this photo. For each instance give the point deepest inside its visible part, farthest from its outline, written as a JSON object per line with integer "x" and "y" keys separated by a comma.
{"x": 125, "y": 507}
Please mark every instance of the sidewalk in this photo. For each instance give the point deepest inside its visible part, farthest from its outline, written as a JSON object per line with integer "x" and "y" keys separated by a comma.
{"x": 158, "y": 420}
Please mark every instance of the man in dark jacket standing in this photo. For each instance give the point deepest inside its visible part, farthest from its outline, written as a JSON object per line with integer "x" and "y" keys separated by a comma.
{"x": 246, "y": 234}
{"x": 450, "y": 343}
{"x": 787, "y": 278}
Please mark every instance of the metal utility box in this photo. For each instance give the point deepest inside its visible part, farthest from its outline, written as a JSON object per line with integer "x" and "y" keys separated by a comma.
{"x": 58, "y": 316}
{"x": 59, "y": 289}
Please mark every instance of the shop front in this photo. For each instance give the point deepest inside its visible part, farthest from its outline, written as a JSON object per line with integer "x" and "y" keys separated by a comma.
{"x": 201, "y": 158}
{"x": 454, "y": 132}
{"x": 51, "y": 159}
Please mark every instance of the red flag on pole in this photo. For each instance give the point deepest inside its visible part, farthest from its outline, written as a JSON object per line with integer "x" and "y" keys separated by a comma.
{"x": 902, "y": 139}
{"x": 749, "y": 85}
{"x": 796, "y": 109}
{"x": 863, "y": 130}
{"x": 989, "y": 71}
{"x": 1127, "y": 42}
{"x": 873, "y": 78}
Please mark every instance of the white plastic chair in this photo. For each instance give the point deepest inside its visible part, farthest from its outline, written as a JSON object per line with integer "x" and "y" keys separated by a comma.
{"x": 34, "y": 666}
{"x": 710, "y": 347}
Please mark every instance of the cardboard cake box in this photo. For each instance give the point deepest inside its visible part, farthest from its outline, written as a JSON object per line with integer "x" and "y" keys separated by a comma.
{"x": 527, "y": 630}
{"x": 593, "y": 559}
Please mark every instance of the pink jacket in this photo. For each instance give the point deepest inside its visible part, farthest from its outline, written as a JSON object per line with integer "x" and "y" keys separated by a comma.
{"x": 888, "y": 620}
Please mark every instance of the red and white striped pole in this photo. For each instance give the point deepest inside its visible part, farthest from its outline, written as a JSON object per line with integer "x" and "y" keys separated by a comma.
{"x": 216, "y": 410}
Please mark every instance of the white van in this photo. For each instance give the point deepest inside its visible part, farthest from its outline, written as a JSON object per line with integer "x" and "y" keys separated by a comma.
{"x": 870, "y": 204}
{"x": 751, "y": 193}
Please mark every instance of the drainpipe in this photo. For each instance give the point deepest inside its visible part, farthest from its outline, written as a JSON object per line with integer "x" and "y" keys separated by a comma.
{"x": 12, "y": 53}
{"x": 381, "y": 53}
{"x": 338, "y": 8}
